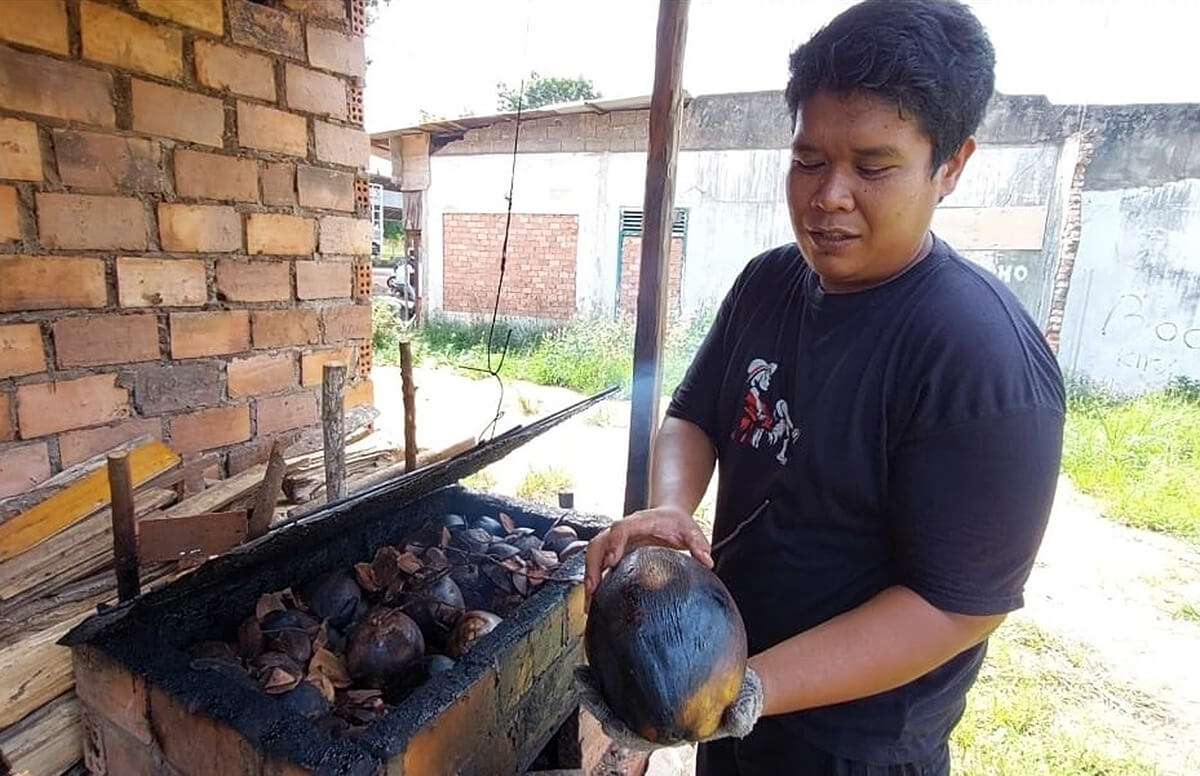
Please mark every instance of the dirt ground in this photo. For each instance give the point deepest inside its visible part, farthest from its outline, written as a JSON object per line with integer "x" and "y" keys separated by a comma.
{"x": 1119, "y": 591}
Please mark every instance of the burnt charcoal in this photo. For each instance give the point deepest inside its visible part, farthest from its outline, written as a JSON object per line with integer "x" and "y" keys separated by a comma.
{"x": 501, "y": 578}
{"x": 281, "y": 620}
{"x": 502, "y": 551}
{"x": 295, "y": 644}
{"x": 335, "y": 640}
{"x": 250, "y": 638}
{"x": 306, "y": 700}
{"x": 525, "y": 543}
{"x": 476, "y": 589}
{"x": 230, "y": 671}
{"x": 491, "y": 525}
{"x": 333, "y": 724}
{"x": 470, "y": 541}
{"x": 434, "y": 559}
{"x": 403, "y": 684}
{"x": 558, "y": 537}
{"x": 213, "y": 650}
{"x": 452, "y": 521}
{"x": 334, "y": 596}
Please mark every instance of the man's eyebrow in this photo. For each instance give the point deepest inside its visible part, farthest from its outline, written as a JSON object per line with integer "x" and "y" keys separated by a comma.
{"x": 869, "y": 152}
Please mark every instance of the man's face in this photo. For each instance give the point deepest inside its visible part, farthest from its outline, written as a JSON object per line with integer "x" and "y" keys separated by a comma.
{"x": 860, "y": 189}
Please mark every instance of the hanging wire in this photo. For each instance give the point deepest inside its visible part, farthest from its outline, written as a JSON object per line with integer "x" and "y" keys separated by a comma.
{"x": 490, "y": 429}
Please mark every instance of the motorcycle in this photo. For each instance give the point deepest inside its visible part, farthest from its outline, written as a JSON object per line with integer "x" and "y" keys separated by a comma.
{"x": 401, "y": 290}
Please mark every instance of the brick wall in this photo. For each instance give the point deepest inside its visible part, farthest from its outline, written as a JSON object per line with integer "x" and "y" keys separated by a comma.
{"x": 178, "y": 224}
{"x": 631, "y": 263}
{"x": 539, "y": 279}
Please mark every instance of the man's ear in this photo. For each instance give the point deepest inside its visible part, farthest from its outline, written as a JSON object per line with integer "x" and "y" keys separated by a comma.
{"x": 952, "y": 168}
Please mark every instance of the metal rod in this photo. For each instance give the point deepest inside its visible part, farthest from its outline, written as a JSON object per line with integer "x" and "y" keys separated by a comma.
{"x": 409, "y": 389}
{"x": 124, "y": 528}
{"x": 333, "y": 396}
{"x": 658, "y": 210}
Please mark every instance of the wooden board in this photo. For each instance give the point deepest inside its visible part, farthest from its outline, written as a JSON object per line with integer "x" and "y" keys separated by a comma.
{"x": 48, "y": 741}
{"x": 220, "y": 494}
{"x": 74, "y": 503}
{"x": 163, "y": 539}
{"x": 991, "y": 228}
{"x": 14, "y": 504}
{"x": 35, "y": 671}
{"x": 73, "y": 553}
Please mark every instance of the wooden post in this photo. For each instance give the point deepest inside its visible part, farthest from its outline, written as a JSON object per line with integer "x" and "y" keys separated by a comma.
{"x": 125, "y": 553}
{"x": 333, "y": 390}
{"x": 268, "y": 493}
{"x": 410, "y": 406}
{"x": 658, "y": 212}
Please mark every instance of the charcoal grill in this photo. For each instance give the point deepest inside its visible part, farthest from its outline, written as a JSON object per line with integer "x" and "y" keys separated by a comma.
{"x": 147, "y": 711}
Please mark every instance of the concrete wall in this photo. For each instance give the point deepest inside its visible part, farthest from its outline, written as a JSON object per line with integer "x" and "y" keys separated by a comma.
{"x": 1131, "y": 313}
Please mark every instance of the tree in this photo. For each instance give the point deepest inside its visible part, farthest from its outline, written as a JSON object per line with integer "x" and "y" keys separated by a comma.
{"x": 544, "y": 90}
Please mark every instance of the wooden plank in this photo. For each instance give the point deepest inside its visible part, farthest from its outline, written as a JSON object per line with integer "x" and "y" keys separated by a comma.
{"x": 268, "y": 492}
{"x": 991, "y": 228}
{"x": 48, "y": 741}
{"x": 333, "y": 400}
{"x": 409, "y": 391}
{"x": 35, "y": 671}
{"x": 163, "y": 539}
{"x": 124, "y": 527}
{"x": 74, "y": 503}
{"x": 658, "y": 208}
{"x": 220, "y": 494}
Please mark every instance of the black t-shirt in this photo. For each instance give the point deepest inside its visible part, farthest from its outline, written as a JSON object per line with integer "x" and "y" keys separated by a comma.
{"x": 909, "y": 434}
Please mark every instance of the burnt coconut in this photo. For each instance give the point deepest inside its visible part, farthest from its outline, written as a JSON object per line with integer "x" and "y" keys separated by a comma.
{"x": 666, "y": 644}
{"x": 382, "y": 646}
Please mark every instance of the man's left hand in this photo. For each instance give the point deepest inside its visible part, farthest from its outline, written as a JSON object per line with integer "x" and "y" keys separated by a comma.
{"x": 737, "y": 721}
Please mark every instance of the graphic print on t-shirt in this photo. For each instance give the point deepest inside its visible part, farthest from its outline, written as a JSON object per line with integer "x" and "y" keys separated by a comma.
{"x": 761, "y": 422}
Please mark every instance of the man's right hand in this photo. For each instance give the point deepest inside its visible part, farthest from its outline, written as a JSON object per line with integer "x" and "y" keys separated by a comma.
{"x": 661, "y": 526}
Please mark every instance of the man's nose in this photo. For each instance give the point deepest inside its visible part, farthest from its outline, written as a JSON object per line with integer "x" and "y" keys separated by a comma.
{"x": 835, "y": 192}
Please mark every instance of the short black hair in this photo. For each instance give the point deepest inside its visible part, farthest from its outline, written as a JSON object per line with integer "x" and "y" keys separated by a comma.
{"x": 931, "y": 57}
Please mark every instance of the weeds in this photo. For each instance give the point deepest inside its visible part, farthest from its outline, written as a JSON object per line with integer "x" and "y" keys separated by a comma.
{"x": 543, "y": 485}
{"x": 1140, "y": 456}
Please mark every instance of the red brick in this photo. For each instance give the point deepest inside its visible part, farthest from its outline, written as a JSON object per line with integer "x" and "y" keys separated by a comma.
{"x": 116, "y": 38}
{"x": 241, "y": 72}
{"x": 76, "y": 446}
{"x": 96, "y": 161}
{"x": 199, "y": 228}
{"x": 105, "y": 339}
{"x": 280, "y": 235}
{"x": 21, "y": 350}
{"x": 10, "y": 214}
{"x": 279, "y": 183}
{"x": 39, "y": 25}
{"x": 330, "y": 50}
{"x": 47, "y": 408}
{"x": 167, "y": 386}
{"x": 341, "y": 235}
{"x": 22, "y": 467}
{"x": 326, "y": 189}
{"x": 360, "y": 394}
{"x": 324, "y": 9}
{"x": 91, "y": 222}
{"x": 312, "y": 365}
{"x": 314, "y": 92}
{"x": 323, "y": 279}
{"x": 281, "y": 328}
{"x": 209, "y": 334}
{"x": 261, "y": 374}
{"x": 341, "y": 145}
{"x": 6, "y": 423}
{"x": 202, "y": 430}
{"x": 215, "y": 176}
{"x": 201, "y": 14}
{"x": 281, "y": 413}
{"x": 268, "y": 129}
{"x": 254, "y": 281}
{"x": 35, "y": 84}
{"x": 20, "y": 150}
{"x": 345, "y": 322}
{"x": 108, "y": 688}
{"x": 266, "y": 28}
{"x": 49, "y": 283}
{"x": 161, "y": 282}
{"x": 169, "y": 112}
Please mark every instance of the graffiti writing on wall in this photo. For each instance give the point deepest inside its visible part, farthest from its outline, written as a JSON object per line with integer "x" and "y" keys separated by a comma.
{"x": 1010, "y": 273}
{"x": 1127, "y": 316}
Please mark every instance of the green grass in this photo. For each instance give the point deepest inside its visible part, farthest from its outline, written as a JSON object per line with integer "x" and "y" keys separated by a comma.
{"x": 1140, "y": 456}
{"x": 543, "y": 485}
{"x": 1044, "y": 707}
{"x": 1187, "y": 611}
{"x": 584, "y": 354}
{"x": 482, "y": 480}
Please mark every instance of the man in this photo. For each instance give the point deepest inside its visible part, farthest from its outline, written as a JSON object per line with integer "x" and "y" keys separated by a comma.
{"x": 873, "y": 555}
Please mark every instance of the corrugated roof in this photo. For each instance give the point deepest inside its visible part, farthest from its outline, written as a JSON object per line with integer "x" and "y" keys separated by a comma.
{"x": 379, "y": 140}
